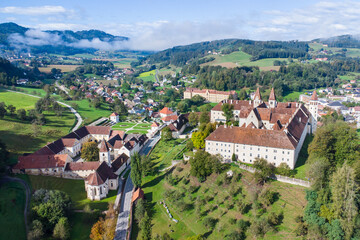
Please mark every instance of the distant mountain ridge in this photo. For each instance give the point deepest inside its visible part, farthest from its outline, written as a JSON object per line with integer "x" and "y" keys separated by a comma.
{"x": 343, "y": 41}
{"x": 14, "y": 35}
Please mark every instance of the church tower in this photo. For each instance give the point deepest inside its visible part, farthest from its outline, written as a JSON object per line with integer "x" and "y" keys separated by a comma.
{"x": 257, "y": 98}
{"x": 104, "y": 153}
{"x": 272, "y": 99}
{"x": 313, "y": 108}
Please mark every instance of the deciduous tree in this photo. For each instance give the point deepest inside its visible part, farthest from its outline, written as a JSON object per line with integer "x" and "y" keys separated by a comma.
{"x": 90, "y": 151}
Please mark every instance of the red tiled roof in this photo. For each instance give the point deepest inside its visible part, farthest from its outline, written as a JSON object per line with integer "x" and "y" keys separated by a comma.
{"x": 68, "y": 142}
{"x": 114, "y": 114}
{"x": 82, "y": 166}
{"x": 272, "y": 95}
{"x": 169, "y": 118}
{"x": 252, "y": 136}
{"x": 41, "y": 161}
{"x": 257, "y": 95}
{"x": 139, "y": 193}
{"x": 102, "y": 130}
{"x": 104, "y": 147}
{"x": 166, "y": 111}
{"x": 94, "y": 179}
{"x": 118, "y": 144}
{"x": 314, "y": 96}
{"x": 154, "y": 124}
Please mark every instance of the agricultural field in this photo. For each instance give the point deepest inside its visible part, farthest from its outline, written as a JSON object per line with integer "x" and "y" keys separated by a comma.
{"x": 12, "y": 129}
{"x": 239, "y": 58}
{"x": 12, "y": 204}
{"x": 148, "y": 76}
{"x": 80, "y": 222}
{"x": 64, "y": 68}
{"x": 349, "y": 76}
{"x": 130, "y": 127}
{"x": 351, "y": 52}
{"x": 219, "y": 200}
{"x": 123, "y": 63}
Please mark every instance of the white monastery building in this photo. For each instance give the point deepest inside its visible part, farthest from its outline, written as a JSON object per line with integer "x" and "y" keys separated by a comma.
{"x": 273, "y": 131}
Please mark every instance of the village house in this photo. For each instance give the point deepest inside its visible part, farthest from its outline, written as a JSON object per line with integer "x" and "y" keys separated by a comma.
{"x": 273, "y": 131}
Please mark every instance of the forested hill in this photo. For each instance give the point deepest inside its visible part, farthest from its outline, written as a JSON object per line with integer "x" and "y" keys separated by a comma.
{"x": 63, "y": 42}
{"x": 182, "y": 55}
{"x": 9, "y": 73}
{"x": 344, "y": 41}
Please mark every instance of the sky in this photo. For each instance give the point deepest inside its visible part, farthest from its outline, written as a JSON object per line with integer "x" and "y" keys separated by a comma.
{"x": 160, "y": 24}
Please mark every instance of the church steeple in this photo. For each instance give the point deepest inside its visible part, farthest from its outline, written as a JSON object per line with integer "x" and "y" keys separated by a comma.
{"x": 272, "y": 99}
{"x": 257, "y": 98}
{"x": 313, "y": 109}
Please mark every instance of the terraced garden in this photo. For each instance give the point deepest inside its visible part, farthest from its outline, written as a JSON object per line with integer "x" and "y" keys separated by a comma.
{"x": 131, "y": 127}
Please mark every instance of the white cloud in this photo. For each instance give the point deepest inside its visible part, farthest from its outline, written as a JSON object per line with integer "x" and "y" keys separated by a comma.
{"x": 34, "y": 11}
{"x": 323, "y": 19}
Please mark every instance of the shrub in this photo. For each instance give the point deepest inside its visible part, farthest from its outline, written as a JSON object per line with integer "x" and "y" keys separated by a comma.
{"x": 232, "y": 221}
{"x": 243, "y": 225}
{"x": 267, "y": 197}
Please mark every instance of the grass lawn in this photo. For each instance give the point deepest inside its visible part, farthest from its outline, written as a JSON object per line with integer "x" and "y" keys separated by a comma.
{"x": 130, "y": 127}
{"x": 124, "y": 125}
{"x": 12, "y": 129}
{"x": 33, "y": 91}
{"x": 300, "y": 167}
{"x": 18, "y": 100}
{"x": 217, "y": 201}
{"x": 12, "y": 203}
{"x": 80, "y": 223}
{"x": 93, "y": 76}
{"x": 90, "y": 114}
{"x": 138, "y": 131}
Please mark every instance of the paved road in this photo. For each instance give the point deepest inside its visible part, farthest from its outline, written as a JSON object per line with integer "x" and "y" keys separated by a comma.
{"x": 120, "y": 188}
{"x": 27, "y": 194}
{"x": 123, "y": 217}
{"x": 77, "y": 115}
{"x": 149, "y": 145}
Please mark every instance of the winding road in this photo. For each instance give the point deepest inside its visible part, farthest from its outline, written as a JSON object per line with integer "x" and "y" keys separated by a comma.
{"x": 77, "y": 115}
{"x": 6, "y": 179}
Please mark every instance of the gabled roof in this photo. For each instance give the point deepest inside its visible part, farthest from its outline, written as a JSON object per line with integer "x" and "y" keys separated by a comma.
{"x": 272, "y": 95}
{"x": 252, "y": 136}
{"x": 119, "y": 161}
{"x": 105, "y": 172}
{"x": 166, "y": 111}
{"x": 169, "y": 118}
{"x": 82, "y": 166}
{"x": 34, "y": 161}
{"x": 114, "y": 114}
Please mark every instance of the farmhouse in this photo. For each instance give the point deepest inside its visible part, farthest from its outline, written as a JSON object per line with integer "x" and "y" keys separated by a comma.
{"x": 273, "y": 131}
{"x": 56, "y": 158}
{"x": 208, "y": 94}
